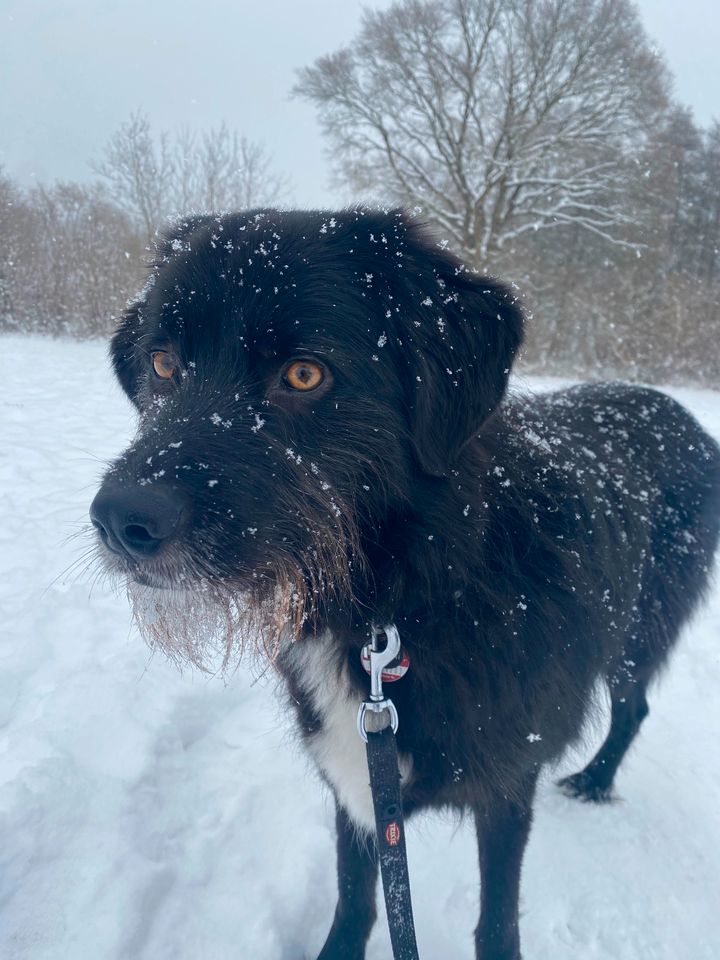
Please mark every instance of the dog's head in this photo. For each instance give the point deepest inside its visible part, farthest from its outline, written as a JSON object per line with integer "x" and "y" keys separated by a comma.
{"x": 295, "y": 374}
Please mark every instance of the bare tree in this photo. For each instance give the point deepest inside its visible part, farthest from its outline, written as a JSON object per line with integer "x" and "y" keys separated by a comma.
{"x": 139, "y": 171}
{"x": 223, "y": 171}
{"x": 184, "y": 188}
{"x": 154, "y": 177}
{"x": 499, "y": 117}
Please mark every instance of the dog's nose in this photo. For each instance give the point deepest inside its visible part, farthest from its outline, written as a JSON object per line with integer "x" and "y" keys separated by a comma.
{"x": 136, "y": 521}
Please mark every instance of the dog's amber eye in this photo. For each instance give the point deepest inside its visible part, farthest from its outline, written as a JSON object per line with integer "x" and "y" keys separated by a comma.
{"x": 304, "y": 375}
{"x": 164, "y": 364}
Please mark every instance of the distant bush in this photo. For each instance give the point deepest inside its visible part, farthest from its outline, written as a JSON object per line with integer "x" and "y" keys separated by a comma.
{"x": 71, "y": 255}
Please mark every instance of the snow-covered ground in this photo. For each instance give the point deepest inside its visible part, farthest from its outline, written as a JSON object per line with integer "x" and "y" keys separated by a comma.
{"x": 148, "y": 815}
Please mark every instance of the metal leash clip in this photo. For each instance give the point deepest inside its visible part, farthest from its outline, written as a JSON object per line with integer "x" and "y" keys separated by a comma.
{"x": 379, "y": 659}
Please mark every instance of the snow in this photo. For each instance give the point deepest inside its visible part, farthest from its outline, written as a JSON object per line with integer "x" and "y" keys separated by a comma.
{"x": 148, "y": 814}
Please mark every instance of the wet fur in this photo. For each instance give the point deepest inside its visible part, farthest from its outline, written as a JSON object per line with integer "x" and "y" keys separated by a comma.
{"x": 524, "y": 547}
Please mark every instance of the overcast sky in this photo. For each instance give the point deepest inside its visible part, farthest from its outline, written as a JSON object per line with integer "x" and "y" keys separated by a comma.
{"x": 72, "y": 70}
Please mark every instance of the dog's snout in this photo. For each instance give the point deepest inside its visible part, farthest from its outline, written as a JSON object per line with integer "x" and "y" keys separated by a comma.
{"x": 136, "y": 521}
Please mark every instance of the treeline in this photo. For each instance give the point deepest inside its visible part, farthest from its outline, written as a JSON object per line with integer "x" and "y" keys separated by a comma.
{"x": 649, "y": 308}
{"x": 541, "y": 140}
{"x": 71, "y": 255}
{"x": 68, "y": 260}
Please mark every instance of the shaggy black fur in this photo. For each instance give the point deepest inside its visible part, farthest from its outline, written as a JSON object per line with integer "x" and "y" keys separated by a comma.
{"x": 524, "y": 548}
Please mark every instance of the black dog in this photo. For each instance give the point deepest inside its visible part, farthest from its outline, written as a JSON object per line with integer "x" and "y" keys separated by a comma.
{"x": 323, "y": 445}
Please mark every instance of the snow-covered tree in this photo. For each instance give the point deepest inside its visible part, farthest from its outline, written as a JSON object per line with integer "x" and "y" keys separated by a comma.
{"x": 499, "y": 118}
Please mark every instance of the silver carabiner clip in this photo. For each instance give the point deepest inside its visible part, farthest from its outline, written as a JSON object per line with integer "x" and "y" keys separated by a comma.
{"x": 379, "y": 659}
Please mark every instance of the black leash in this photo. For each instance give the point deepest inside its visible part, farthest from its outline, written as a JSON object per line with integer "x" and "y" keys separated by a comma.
{"x": 385, "y": 786}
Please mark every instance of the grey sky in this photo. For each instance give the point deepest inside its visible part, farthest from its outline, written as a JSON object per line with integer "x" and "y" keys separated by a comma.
{"x": 72, "y": 70}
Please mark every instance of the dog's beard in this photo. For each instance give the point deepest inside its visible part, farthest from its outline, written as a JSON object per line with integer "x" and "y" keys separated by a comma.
{"x": 183, "y": 607}
{"x": 210, "y": 625}
{"x": 211, "y": 622}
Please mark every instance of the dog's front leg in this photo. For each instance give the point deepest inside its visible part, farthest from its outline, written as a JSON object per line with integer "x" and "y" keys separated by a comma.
{"x": 503, "y": 827}
{"x": 357, "y": 879}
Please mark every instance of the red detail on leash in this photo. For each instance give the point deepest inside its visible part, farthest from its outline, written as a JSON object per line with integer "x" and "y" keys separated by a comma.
{"x": 392, "y": 834}
{"x": 394, "y": 671}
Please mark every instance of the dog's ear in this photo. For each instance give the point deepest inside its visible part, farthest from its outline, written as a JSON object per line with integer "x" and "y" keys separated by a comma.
{"x": 123, "y": 351}
{"x": 463, "y": 333}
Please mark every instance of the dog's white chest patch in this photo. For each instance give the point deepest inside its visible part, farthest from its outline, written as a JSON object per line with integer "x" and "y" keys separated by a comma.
{"x": 337, "y": 748}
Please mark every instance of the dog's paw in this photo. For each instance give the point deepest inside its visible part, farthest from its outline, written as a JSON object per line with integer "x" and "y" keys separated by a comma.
{"x": 581, "y": 786}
